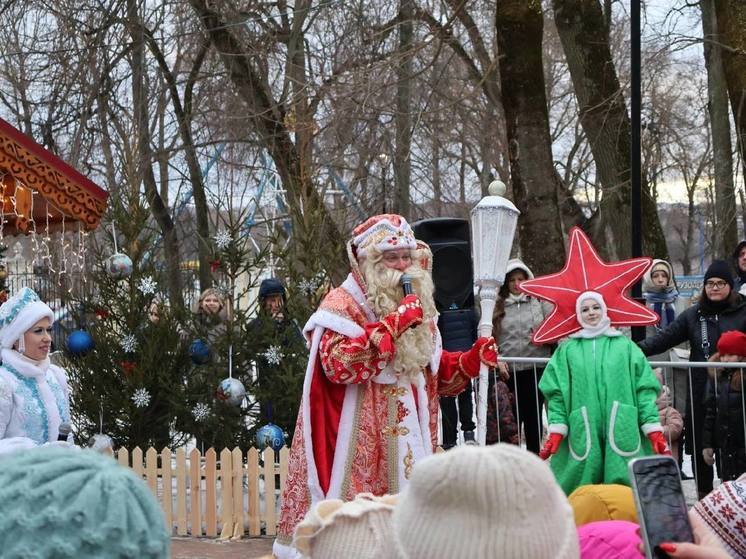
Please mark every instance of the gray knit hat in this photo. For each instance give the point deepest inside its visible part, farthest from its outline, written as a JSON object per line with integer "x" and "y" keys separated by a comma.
{"x": 59, "y": 502}
{"x": 484, "y": 502}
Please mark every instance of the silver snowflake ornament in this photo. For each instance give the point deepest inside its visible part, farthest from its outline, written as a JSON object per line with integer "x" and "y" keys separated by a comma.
{"x": 141, "y": 397}
{"x": 147, "y": 285}
{"x": 223, "y": 239}
{"x": 200, "y": 412}
{"x": 308, "y": 286}
{"x": 273, "y": 355}
{"x": 129, "y": 343}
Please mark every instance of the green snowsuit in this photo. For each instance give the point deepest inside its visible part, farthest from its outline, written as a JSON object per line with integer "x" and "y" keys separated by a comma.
{"x": 601, "y": 394}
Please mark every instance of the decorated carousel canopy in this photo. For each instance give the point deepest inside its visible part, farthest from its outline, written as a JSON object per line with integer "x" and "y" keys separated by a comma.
{"x": 39, "y": 190}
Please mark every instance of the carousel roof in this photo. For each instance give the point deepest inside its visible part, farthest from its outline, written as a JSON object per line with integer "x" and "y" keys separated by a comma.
{"x": 37, "y": 187}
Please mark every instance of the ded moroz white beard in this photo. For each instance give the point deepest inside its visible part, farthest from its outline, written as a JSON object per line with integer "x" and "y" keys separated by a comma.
{"x": 414, "y": 348}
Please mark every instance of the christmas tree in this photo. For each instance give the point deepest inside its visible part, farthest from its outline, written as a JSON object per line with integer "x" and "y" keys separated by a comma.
{"x": 130, "y": 385}
{"x": 154, "y": 374}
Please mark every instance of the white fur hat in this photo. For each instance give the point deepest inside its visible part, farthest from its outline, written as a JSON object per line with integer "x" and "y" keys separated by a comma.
{"x": 19, "y": 313}
{"x": 484, "y": 502}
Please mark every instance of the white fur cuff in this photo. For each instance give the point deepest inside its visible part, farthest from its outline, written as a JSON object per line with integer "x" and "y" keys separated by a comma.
{"x": 558, "y": 428}
{"x": 651, "y": 428}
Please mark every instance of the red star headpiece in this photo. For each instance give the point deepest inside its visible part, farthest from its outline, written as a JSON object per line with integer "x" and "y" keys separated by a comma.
{"x": 585, "y": 271}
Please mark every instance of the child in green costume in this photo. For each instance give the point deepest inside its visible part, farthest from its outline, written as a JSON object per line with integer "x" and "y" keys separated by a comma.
{"x": 601, "y": 395}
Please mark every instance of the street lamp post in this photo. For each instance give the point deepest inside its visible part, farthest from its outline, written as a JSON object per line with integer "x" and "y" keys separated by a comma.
{"x": 493, "y": 222}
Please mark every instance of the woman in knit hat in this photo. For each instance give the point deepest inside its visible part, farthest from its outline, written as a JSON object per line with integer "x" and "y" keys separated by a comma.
{"x": 724, "y": 409}
{"x": 718, "y": 310}
{"x": 34, "y": 396}
{"x": 523, "y": 314}
{"x": 70, "y": 503}
{"x": 659, "y": 291}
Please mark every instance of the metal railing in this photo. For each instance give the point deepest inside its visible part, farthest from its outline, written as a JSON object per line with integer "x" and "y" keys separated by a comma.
{"x": 677, "y": 376}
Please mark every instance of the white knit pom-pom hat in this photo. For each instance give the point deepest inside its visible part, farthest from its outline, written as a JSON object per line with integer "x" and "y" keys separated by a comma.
{"x": 481, "y": 503}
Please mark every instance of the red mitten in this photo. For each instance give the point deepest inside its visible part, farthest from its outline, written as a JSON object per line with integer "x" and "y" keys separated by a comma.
{"x": 408, "y": 314}
{"x": 551, "y": 446}
{"x": 483, "y": 351}
{"x": 383, "y": 334}
{"x": 660, "y": 445}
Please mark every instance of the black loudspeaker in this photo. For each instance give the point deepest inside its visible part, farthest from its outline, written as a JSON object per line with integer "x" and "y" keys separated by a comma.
{"x": 450, "y": 241}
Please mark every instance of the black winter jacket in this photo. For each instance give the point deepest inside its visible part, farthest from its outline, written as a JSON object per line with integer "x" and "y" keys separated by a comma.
{"x": 724, "y": 422}
{"x": 687, "y": 327}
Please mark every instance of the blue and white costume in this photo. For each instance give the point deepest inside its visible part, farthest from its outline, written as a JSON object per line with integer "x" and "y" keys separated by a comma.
{"x": 34, "y": 396}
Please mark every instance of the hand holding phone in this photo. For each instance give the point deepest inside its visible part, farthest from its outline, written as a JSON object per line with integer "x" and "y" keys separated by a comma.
{"x": 661, "y": 507}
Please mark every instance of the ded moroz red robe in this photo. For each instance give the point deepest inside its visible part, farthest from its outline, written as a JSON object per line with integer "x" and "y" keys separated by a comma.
{"x": 360, "y": 428}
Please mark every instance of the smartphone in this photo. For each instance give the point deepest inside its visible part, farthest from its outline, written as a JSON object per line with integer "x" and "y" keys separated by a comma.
{"x": 661, "y": 507}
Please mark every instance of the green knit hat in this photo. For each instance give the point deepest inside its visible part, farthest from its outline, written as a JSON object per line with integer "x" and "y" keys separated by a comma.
{"x": 58, "y": 502}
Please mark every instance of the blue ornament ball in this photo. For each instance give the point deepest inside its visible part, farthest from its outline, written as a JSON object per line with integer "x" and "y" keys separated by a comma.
{"x": 200, "y": 352}
{"x": 79, "y": 342}
{"x": 118, "y": 266}
{"x": 270, "y": 435}
{"x": 231, "y": 391}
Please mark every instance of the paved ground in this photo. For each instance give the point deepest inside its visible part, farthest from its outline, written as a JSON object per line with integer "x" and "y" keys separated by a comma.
{"x": 204, "y": 548}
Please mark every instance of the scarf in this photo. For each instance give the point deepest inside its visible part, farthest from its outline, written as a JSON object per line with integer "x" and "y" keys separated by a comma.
{"x": 603, "y": 328}
{"x": 710, "y": 308}
{"x": 663, "y": 303}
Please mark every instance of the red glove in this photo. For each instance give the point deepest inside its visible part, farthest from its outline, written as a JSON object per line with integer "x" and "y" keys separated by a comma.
{"x": 483, "y": 351}
{"x": 551, "y": 446}
{"x": 660, "y": 445}
{"x": 408, "y": 314}
{"x": 383, "y": 334}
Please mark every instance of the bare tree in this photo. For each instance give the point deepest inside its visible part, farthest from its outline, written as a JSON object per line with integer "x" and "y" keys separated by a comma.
{"x": 271, "y": 118}
{"x": 730, "y": 14}
{"x": 402, "y": 156}
{"x": 717, "y": 106}
{"x": 144, "y": 150}
{"x": 519, "y": 36}
{"x": 603, "y": 114}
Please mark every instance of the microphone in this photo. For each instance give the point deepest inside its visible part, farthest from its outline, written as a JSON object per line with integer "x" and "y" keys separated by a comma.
{"x": 406, "y": 282}
{"x": 64, "y": 431}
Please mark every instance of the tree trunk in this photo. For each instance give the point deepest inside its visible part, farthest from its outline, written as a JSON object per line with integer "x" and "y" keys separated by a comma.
{"x": 145, "y": 167}
{"x": 519, "y": 27}
{"x": 462, "y": 175}
{"x": 402, "y": 154}
{"x": 437, "y": 190}
{"x": 690, "y": 226}
{"x": 726, "y": 230}
{"x": 603, "y": 114}
{"x": 312, "y": 224}
{"x": 730, "y": 16}
{"x": 182, "y": 112}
